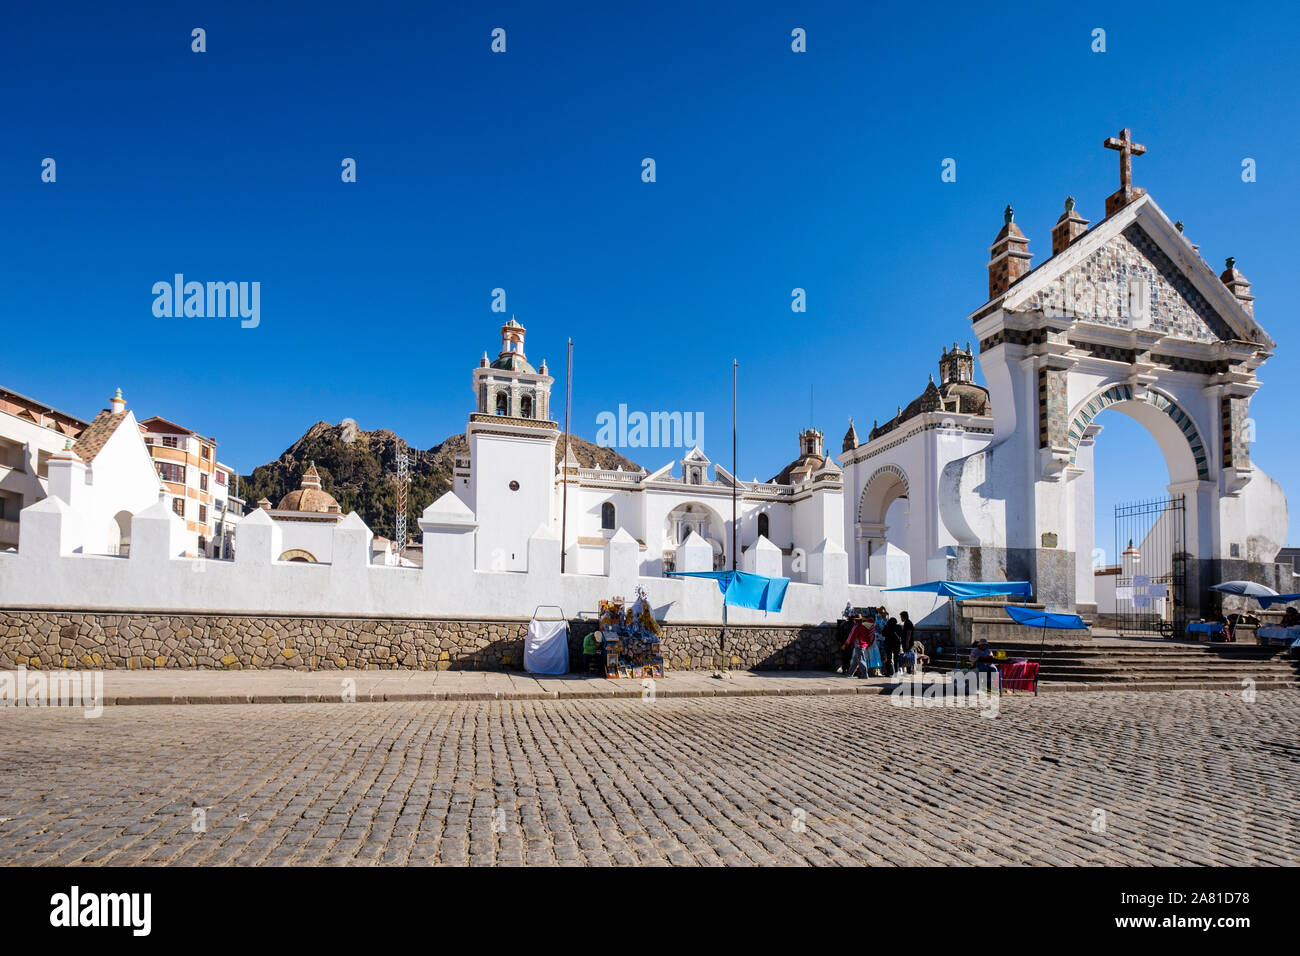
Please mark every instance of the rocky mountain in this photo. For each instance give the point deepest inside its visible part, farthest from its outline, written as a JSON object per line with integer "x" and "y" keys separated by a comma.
{"x": 359, "y": 468}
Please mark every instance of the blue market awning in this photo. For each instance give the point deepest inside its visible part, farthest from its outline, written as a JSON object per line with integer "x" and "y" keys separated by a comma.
{"x": 1032, "y": 617}
{"x": 742, "y": 589}
{"x": 961, "y": 590}
{"x": 1277, "y": 599}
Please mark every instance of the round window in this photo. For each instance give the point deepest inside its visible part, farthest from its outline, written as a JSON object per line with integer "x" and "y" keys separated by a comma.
{"x": 514, "y": 486}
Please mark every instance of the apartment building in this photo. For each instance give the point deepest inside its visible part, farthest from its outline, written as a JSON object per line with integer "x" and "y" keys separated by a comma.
{"x": 187, "y": 464}
{"x": 30, "y": 432}
{"x": 227, "y": 507}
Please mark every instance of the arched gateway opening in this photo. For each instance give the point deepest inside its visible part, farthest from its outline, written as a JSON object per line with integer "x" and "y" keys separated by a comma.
{"x": 883, "y": 520}
{"x": 1140, "y": 497}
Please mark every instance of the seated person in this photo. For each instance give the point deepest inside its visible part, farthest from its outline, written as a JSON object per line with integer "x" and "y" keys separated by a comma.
{"x": 1291, "y": 618}
{"x": 981, "y": 658}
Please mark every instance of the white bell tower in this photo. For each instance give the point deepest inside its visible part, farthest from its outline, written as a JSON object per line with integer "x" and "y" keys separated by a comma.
{"x": 509, "y": 479}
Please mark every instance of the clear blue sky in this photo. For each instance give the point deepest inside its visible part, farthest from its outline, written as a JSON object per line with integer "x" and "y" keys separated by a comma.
{"x": 775, "y": 170}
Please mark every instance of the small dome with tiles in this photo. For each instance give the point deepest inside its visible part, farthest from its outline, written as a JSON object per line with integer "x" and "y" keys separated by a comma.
{"x": 310, "y": 496}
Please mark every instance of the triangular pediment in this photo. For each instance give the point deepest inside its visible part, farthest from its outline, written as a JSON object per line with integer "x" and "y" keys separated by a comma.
{"x": 1091, "y": 282}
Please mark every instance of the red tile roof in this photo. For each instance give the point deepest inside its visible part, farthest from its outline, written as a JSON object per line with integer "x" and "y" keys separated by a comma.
{"x": 97, "y": 434}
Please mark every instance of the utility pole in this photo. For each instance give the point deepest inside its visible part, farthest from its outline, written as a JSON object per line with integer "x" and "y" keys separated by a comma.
{"x": 403, "y": 479}
{"x": 734, "y": 366}
{"x": 564, "y": 462}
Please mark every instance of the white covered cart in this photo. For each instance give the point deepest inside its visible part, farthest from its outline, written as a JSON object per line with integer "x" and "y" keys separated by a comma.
{"x": 546, "y": 648}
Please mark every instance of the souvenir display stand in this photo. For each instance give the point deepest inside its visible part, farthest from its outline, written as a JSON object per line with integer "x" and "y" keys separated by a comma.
{"x": 630, "y": 637}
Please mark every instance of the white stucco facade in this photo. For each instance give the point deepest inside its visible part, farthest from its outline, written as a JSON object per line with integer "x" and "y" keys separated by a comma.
{"x": 969, "y": 481}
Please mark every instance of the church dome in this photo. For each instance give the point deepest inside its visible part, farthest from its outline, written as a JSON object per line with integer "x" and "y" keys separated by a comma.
{"x": 811, "y": 460}
{"x": 310, "y": 496}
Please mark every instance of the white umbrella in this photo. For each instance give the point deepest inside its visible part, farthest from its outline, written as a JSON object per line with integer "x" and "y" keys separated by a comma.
{"x": 1245, "y": 589}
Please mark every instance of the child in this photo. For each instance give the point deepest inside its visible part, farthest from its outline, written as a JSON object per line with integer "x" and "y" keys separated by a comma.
{"x": 591, "y": 652}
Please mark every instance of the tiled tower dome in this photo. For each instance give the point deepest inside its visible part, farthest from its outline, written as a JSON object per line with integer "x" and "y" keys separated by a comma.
{"x": 310, "y": 496}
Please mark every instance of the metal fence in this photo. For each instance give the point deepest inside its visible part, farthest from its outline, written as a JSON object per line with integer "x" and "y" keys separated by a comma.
{"x": 1151, "y": 591}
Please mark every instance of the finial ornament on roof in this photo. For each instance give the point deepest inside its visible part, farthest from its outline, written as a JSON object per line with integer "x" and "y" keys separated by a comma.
{"x": 1179, "y": 225}
{"x": 1230, "y": 263}
{"x": 1069, "y": 204}
{"x": 1008, "y": 215}
{"x": 118, "y": 394}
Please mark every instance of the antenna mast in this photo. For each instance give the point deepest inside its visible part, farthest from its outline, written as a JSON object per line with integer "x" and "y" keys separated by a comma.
{"x": 403, "y": 479}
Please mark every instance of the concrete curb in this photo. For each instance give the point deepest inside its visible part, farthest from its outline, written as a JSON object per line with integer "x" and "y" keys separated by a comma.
{"x": 881, "y": 690}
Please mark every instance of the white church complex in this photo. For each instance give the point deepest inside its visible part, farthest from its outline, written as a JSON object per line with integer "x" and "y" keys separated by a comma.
{"x": 965, "y": 482}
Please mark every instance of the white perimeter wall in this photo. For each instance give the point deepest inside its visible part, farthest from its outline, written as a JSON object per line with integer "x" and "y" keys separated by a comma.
{"x": 447, "y": 585}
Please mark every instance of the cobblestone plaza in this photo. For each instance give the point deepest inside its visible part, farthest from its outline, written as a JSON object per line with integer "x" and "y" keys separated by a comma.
{"x": 1188, "y": 777}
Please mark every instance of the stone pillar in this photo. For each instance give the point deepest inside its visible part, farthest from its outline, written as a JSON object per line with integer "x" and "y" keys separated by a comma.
{"x": 828, "y": 565}
{"x": 157, "y": 533}
{"x": 67, "y": 478}
{"x": 46, "y": 530}
{"x": 351, "y": 543}
{"x": 623, "y": 562}
{"x": 257, "y": 539}
{"x": 449, "y": 528}
{"x": 891, "y": 567}
{"x": 544, "y": 553}
{"x": 694, "y": 554}
{"x": 763, "y": 557}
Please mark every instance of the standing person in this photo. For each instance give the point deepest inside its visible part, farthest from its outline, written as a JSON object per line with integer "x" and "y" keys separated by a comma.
{"x": 909, "y": 629}
{"x": 875, "y": 637}
{"x": 893, "y": 646}
{"x": 859, "y": 639}
{"x": 846, "y": 647}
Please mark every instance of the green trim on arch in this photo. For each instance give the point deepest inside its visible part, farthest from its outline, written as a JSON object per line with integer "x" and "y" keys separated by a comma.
{"x": 1124, "y": 393}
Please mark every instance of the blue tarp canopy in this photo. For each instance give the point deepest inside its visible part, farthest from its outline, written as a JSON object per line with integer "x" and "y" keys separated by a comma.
{"x": 1277, "y": 599}
{"x": 961, "y": 590}
{"x": 742, "y": 589}
{"x": 1032, "y": 617}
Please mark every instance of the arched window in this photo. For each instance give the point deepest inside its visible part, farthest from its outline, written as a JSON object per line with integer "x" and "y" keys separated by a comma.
{"x": 503, "y": 403}
{"x": 607, "y": 516}
{"x": 526, "y": 406}
{"x": 763, "y": 526}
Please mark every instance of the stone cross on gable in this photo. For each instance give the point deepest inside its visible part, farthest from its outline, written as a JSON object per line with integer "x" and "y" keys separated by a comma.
{"x": 1127, "y": 150}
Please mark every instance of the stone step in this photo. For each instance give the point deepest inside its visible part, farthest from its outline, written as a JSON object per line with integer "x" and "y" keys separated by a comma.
{"x": 1136, "y": 653}
{"x": 1173, "y": 673}
{"x": 1134, "y": 662}
{"x": 1103, "y": 660}
{"x": 1233, "y": 687}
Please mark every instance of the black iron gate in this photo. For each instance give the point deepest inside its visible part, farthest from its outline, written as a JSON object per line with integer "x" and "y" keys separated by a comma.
{"x": 1151, "y": 587}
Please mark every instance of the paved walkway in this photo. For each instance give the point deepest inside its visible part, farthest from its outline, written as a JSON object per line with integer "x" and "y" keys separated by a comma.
{"x": 284, "y": 686}
{"x": 167, "y": 686}
{"x": 1068, "y": 779}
